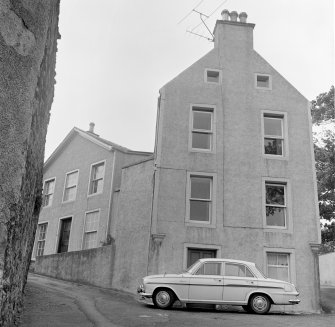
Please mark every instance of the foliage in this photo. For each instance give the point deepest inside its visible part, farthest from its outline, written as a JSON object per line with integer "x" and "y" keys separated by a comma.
{"x": 328, "y": 238}
{"x": 323, "y": 107}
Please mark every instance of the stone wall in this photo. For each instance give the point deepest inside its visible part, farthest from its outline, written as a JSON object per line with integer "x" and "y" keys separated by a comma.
{"x": 93, "y": 266}
{"x": 28, "y": 45}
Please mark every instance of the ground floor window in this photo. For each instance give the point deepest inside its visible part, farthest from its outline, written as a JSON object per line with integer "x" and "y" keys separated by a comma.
{"x": 195, "y": 254}
{"x": 41, "y": 236}
{"x": 278, "y": 266}
{"x": 91, "y": 229}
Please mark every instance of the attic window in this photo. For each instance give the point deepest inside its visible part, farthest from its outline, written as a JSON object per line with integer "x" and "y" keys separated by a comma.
{"x": 212, "y": 76}
{"x": 263, "y": 81}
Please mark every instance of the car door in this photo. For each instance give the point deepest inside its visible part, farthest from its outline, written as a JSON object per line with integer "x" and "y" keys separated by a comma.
{"x": 206, "y": 284}
{"x": 238, "y": 281}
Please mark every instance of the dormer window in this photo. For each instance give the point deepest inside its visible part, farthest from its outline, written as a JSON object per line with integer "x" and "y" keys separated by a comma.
{"x": 263, "y": 81}
{"x": 213, "y": 76}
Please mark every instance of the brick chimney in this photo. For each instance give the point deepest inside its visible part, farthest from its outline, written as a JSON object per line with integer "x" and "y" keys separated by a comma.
{"x": 233, "y": 32}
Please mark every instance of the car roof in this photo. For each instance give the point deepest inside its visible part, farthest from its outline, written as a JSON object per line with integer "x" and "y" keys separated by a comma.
{"x": 226, "y": 260}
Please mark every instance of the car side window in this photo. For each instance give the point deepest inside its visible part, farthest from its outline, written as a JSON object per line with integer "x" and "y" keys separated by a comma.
{"x": 210, "y": 268}
{"x": 237, "y": 270}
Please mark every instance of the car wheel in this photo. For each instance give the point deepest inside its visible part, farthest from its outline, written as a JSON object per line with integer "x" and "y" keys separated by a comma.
{"x": 259, "y": 303}
{"x": 163, "y": 298}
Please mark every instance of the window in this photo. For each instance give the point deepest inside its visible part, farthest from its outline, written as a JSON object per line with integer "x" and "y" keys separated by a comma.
{"x": 48, "y": 192}
{"x": 237, "y": 270}
{"x": 263, "y": 81}
{"x": 275, "y": 204}
{"x": 201, "y": 198}
{"x": 70, "y": 190}
{"x": 91, "y": 229}
{"x": 278, "y": 266}
{"x": 273, "y": 134}
{"x": 41, "y": 236}
{"x": 97, "y": 178}
{"x": 210, "y": 268}
{"x": 213, "y": 76}
{"x": 202, "y": 129}
{"x": 64, "y": 235}
{"x": 194, "y": 255}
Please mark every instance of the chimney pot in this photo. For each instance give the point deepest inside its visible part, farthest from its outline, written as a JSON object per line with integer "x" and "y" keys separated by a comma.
{"x": 225, "y": 14}
{"x": 243, "y": 17}
{"x": 91, "y": 130}
{"x": 233, "y": 16}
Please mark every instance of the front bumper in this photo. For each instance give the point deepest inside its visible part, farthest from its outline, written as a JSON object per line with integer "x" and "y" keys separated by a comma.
{"x": 294, "y": 301}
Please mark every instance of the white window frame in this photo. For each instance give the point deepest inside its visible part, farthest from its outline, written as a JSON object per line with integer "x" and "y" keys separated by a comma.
{"x": 292, "y": 260}
{"x": 188, "y": 246}
{"x": 277, "y": 115}
{"x": 207, "y": 108}
{"x": 269, "y": 88}
{"x": 91, "y": 231}
{"x": 213, "y": 70}
{"x": 288, "y": 212}
{"x": 44, "y": 183}
{"x": 212, "y": 219}
{"x": 38, "y": 235}
{"x": 90, "y": 178}
{"x": 76, "y": 186}
{"x": 58, "y": 232}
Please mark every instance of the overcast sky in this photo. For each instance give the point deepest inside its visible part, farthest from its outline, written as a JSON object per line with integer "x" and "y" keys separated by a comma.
{"x": 115, "y": 55}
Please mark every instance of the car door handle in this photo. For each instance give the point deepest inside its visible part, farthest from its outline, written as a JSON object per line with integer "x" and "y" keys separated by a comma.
{"x": 218, "y": 279}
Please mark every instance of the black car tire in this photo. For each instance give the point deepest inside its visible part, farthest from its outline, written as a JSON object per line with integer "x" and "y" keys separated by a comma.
{"x": 247, "y": 308}
{"x": 259, "y": 303}
{"x": 163, "y": 298}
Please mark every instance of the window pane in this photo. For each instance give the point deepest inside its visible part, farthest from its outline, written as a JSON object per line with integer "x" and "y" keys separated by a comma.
{"x": 282, "y": 273}
{"x": 275, "y": 194}
{"x": 273, "y": 146}
{"x": 275, "y": 216}
{"x": 98, "y": 171}
{"x": 235, "y": 270}
{"x": 200, "y": 188}
{"x": 199, "y": 210}
{"x": 212, "y": 268}
{"x": 201, "y": 140}
{"x": 70, "y": 194}
{"x": 272, "y": 259}
{"x": 92, "y": 221}
{"x": 90, "y": 240}
{"x": 202, "y": 120}
{"x": 262, "y": 81}
{"x": 282, "y": 260}
{"x": 49, "y": 187}
{"x": 71, "y": 179}
{"x": 249, "y": 273}
{"x": 273, "y": 126}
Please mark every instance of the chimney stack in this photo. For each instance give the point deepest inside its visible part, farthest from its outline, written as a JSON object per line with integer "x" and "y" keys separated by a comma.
{"x": 91, "y": 130}
{"x": 233, "y": 16}
{"x": 243, "y": 17}
{"x": 225, "y": 14}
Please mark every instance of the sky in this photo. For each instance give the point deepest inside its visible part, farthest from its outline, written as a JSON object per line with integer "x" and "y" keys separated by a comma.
{"x": 115, "y": 55}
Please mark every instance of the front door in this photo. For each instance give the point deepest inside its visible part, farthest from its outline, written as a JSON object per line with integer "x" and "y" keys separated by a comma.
{"x": 238, "y": 283}
{"x": 206, "y": 285}
{"x": 64, "y": 235}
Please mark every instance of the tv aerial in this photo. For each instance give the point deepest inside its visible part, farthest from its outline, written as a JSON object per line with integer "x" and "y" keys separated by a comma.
{"x": 203, "y": 19}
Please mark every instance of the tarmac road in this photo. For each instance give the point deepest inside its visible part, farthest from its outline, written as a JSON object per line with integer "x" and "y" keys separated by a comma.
{"x": 55, "y": 303}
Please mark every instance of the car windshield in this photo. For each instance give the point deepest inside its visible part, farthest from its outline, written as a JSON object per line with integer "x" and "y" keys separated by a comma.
{"x": 191, "y": 269}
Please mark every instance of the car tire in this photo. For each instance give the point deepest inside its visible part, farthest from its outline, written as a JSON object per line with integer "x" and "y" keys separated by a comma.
{"x": 163, "y": 298}
{"x": 259, "y": 303}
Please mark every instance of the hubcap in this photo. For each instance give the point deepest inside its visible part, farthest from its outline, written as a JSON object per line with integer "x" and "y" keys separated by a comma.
{"x": 260, "y": 303}
{"x": 163, "y": 298}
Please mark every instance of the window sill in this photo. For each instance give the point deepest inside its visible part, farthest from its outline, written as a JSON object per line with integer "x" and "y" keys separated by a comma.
{"x": 274, "y": 157}
{"x": 190, "y": 223}
{"x": 94, "y": 194}
{"x": 284, "y": 230}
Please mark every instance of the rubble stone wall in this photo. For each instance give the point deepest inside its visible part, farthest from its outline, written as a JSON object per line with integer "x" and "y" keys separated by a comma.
{"x": 28, "y": 45}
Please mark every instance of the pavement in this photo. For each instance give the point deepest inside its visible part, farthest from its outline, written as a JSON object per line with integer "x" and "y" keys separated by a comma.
{"x": 54, "y": 303}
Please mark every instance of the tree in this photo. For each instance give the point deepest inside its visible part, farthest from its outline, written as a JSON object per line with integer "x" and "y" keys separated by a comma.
{"x": 323, "y": 112}
{"x": 323, "y": 107}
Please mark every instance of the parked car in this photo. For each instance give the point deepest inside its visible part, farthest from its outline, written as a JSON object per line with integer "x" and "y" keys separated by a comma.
{"x": 219, "y": 281}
